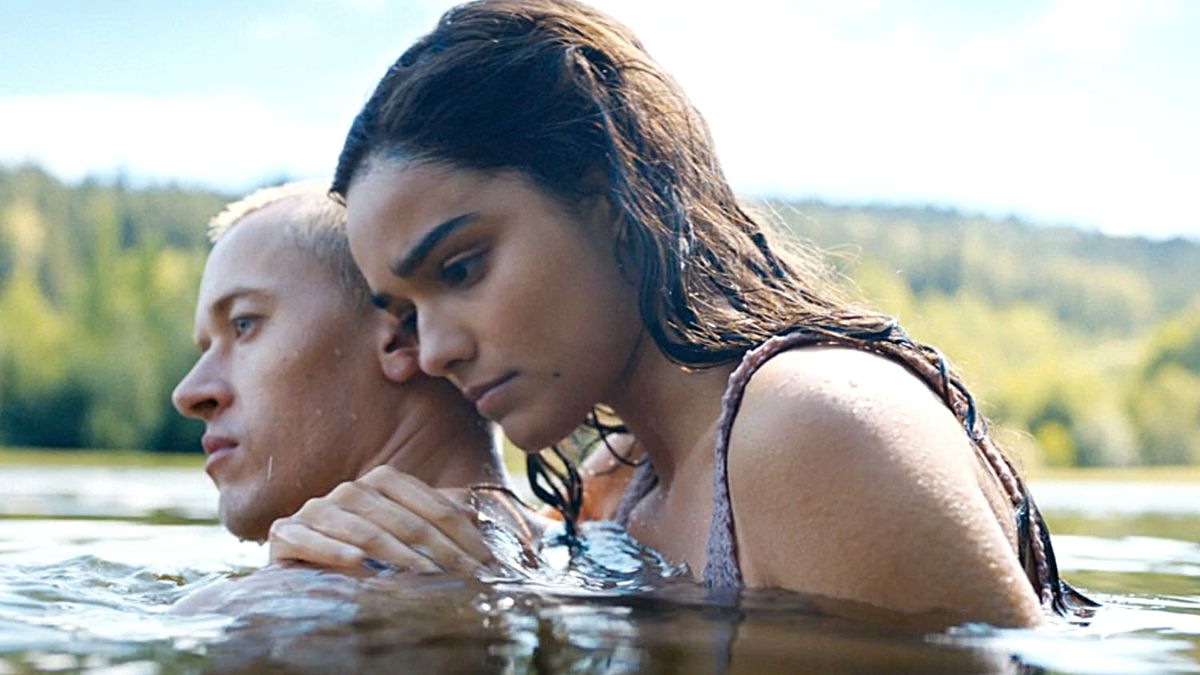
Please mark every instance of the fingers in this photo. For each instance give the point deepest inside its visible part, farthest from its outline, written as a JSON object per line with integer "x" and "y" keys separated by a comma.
{"x": 351, "y": 517}
{"x": 302, "y": 539}
{"x": 390, "y": 532}
{"x": 291, "y": 540}
{"x": 385, "y": 516}
{"x": 441, "y": 522}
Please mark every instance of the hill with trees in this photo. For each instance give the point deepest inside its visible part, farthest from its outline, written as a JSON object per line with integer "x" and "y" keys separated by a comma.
{"x": 1085, "y": 347}
{"x": 97, "y": 286}
{"x": 1089, "y": 344}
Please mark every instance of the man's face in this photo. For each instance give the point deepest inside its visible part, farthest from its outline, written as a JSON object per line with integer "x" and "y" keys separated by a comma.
{"x": 286, "y": 377}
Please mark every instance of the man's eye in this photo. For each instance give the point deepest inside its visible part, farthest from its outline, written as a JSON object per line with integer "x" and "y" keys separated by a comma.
{"x": 243, "y": 324}
{"x": 462, "y": 270}
{"x": 408, "y": 321}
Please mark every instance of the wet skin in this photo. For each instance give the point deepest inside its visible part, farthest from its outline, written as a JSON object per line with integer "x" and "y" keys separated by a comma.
{"x": 302, "y": 389}
{"x": 849, "y": 478}
{"x": 285, "y": 377}
{"x": 456, "y": 258}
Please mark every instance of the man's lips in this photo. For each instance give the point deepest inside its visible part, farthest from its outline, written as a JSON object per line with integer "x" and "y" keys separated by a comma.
{"x": 213, "y": 443}
{"x": 478, "y": 391}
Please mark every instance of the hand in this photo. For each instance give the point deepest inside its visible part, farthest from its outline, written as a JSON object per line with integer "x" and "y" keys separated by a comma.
{"x": 384, "y": 517}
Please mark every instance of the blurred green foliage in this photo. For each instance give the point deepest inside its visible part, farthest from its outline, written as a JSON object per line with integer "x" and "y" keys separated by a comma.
{"x": 97, "y": 286}
{"x": 1085, "y": 348}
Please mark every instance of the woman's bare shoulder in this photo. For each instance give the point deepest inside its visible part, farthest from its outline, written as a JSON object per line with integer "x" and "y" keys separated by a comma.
{"x": 831, "y": 397}
{"x": 875, "y": 477}
{"x": 823, "y": 416}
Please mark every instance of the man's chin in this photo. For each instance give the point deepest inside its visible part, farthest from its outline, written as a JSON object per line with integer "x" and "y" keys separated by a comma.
{"x": 243, "y": 523}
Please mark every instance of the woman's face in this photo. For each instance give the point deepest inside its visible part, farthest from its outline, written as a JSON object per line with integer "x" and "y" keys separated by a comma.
{"x": 516, "y": 301}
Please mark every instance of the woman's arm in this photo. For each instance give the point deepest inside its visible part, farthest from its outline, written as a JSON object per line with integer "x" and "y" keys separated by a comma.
{"x": 851, "y": 480}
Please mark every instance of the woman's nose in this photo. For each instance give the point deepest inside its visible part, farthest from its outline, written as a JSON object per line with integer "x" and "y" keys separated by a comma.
{"x": 442, "y": 345}
{"x": 201, "y": 392}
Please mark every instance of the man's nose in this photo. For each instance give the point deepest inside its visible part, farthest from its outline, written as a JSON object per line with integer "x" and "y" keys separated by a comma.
{"x": 201, "y": 392}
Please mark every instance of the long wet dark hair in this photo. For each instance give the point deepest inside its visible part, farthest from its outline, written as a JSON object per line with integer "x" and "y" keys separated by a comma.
{"x": 562, "y": 93}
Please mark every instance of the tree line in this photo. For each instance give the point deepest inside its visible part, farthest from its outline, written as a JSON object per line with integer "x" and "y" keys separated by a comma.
{"x": 1084, "y": 348}
{"x": 97, "y": 286}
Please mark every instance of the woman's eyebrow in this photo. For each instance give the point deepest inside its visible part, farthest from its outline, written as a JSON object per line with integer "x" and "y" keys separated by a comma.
{"x": 416, "y": 255}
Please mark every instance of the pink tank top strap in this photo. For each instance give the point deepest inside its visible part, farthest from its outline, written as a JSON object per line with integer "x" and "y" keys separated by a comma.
{"x": 643, "y": 481}
{"x": 721, "y": 569}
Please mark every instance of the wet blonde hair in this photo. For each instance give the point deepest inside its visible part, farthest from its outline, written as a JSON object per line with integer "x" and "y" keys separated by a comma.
{"x": 315, "y": 223}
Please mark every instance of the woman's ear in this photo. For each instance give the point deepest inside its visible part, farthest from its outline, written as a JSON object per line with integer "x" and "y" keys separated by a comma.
{"x": 597, "y": 202}
{"x": 599, "y": 209}
{"x": 396, "y": 350}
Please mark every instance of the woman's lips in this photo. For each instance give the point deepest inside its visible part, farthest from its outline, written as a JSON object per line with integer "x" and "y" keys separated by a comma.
{"x": 486, "y": 395}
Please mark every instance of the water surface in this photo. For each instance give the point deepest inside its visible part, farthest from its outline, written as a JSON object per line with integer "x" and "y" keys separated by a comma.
{"x": 91, "y": 561}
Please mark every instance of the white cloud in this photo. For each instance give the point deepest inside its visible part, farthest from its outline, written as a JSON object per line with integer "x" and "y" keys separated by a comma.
{"x": 807, "y": 103}
{"x": 800, "y": 104}
{"x": 1092, "y": 30}
{"x": 802, "y": 99}
{"x": 230, "y": 142}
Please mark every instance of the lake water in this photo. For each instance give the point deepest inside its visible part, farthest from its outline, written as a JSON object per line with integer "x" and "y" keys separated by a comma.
{"x": 92, "y": 559}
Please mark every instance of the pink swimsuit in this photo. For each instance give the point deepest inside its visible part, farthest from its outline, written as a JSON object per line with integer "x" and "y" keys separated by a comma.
{"x": 722, "y": 570}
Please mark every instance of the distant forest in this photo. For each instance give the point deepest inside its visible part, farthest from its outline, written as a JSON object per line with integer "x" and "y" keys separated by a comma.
{"x": 1084, "y": 349}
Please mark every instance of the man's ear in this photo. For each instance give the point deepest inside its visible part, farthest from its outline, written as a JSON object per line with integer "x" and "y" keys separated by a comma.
{"x": 397, "y": 351}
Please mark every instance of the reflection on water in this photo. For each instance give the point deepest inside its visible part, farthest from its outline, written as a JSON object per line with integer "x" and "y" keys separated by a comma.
{"x": 96, "y": 594}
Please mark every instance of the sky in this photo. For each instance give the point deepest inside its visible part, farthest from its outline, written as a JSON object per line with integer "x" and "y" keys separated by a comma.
{"x": 1078, "y": 112}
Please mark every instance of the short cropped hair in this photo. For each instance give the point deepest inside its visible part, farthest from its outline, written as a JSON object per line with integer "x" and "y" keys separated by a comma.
{"x": 316, "y": 224}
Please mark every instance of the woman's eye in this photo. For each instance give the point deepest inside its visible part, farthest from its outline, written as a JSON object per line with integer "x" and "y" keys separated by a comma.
{"x": 243, "y": 324}
{"x": 461, "y": 270}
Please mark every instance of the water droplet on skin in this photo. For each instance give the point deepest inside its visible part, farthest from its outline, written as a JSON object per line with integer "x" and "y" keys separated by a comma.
{"x": 337, "y": 352}
{"x": 482, "y": 604}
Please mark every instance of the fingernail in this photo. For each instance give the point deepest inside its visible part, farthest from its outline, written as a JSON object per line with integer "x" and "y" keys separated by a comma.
{"x": 377, "y": 566}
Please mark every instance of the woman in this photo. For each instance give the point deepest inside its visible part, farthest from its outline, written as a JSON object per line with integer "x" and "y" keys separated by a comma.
{"x": 541, "y": 205}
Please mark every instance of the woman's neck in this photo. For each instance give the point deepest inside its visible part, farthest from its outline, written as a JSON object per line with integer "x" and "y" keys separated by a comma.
{"x": 668, "y": 408}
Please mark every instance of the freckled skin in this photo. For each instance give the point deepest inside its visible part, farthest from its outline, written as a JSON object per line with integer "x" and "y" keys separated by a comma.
{"x": 851, "y": 481}
{"x": 895, "y": 510}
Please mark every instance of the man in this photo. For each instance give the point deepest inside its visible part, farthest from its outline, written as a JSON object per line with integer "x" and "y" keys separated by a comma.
{"x": 303, "y": 385}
